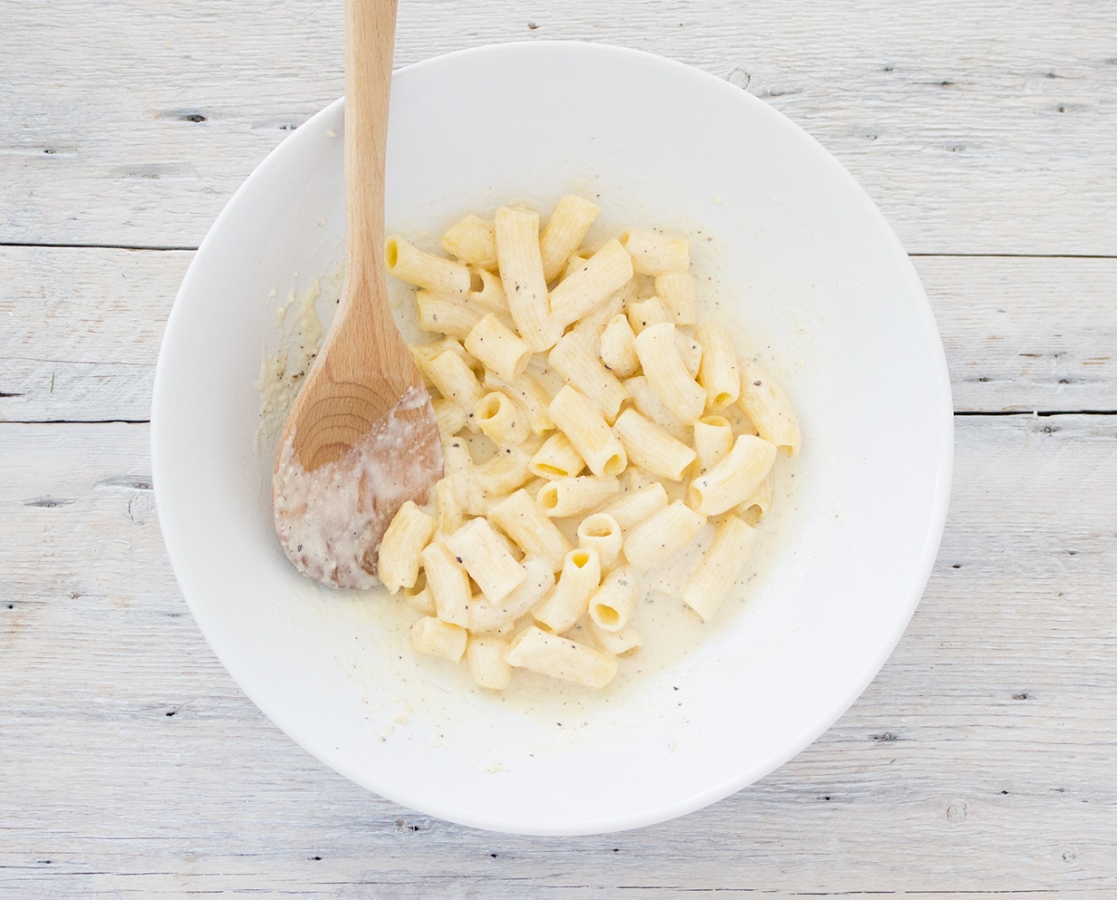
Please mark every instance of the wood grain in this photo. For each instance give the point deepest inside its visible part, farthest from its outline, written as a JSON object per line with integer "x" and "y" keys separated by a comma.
{"x": 977, "y": 127}
{"x": 979, "y": 760}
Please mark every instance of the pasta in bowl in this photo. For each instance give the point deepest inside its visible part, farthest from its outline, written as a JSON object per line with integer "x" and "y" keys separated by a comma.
{"x": 786, "y": 251}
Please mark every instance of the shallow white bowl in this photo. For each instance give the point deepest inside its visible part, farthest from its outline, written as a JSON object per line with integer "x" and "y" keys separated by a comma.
{"x": 791, "y": 246}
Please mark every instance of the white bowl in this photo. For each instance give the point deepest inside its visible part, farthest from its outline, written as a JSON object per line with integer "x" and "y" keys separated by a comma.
{"x": 792, "y": 247}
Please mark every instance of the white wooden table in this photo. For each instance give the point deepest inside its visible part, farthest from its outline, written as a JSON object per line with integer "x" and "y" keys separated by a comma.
{"x": 982, "y": 760}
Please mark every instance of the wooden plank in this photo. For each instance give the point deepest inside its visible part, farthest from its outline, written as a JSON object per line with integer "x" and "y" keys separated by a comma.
{"x": 82, "y": 329}
{"x": 980, "y": 760}
{"x": 987, "y": 128}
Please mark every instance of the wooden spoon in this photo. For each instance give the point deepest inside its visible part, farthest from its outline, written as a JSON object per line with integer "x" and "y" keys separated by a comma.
{"x": 361, "y": 438}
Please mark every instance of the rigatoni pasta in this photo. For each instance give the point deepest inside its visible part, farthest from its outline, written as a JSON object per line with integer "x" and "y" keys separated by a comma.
{"x": 592, "y": 430}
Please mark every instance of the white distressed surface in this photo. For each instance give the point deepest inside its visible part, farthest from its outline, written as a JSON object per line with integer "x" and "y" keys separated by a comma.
{"x": 980, "y": 761}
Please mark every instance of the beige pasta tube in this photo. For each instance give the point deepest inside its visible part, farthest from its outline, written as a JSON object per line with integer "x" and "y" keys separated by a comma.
{"x": 487, "y": 664}
{"x": 646, "y": 313}
{"x": 690, "y": 352}
{"x": 564, "y": 232}
{"x": 608, "y": 270}
{"x": 754, "y": 507}
{"x": 410, "y": 264}
{"x": 488, "y": 563}
{"x": 409, "y": 532}
{"x": 713, "y": 439}
{"x": 572, "y": 496}
{"x": 521, "y": 271}
{"x": 588, "y": 431}
{"x": 528, "y": 525}
{"x": 616, "y": 643}
{"x": 456, "y": 381}
{"x": 505, "y": 471}
{"x": 447, "y": 509}
{"x": 424, "y": 353}
{"x": 767, "y": 406}
{"x": 472, "y": 241}
{"x": 461, "y": 473}
{"x": 557, "y": 458}
{"x": 568, "y": 602}
{"x": 448, "y": 582}
{"x": 613, "y": 602}
{"x": 557, "y": 657}
{"x": 437, "y": 638}
{"x": 442, "y": 315}
{"x": 420, "y": 597}
{"x": 529, "y": 396}
{"x": 600, "y": 532}
{"x": 593, "y": 324}
{"x": 450, "y": 417}
{"x": 539, "y": 580}
{"x": 678, "y": 291}
{"x": 650, "y": 447}
{"x": 721, "y": 566}
{"x": 584, "y": 372}
{"x": 618, "y": 347}
{"x": 718, "y": 373}
{"x": 654, "y": 254}
{"x": 638, "y": 506}
{"x": 666, "y": 373}
{"x": 498, "y": 348}
{"x": 656, "y": 540}
{"x": 652, "y": 408}
{"x": 501, "y": 419}
{"x": 734, "y": 478}
{"x": 491, "y": 297}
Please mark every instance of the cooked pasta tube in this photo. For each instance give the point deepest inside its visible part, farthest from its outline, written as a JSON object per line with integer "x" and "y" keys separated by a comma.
{"x": 434, "y": 273}
{"x": 487, "y": 664}
{"x": 505, "y": 471}
{"x": 477, "y": 548}
{"x": 472, "y": 241}
{"x": 734, "y": 478}
{"x": 713, "y": 439}
{"x": 529, "y": 396}
{"x": 564, "y": 232}
{"x": 657, "y": 539}
{"x": 451, "y": 418}
{"x": 461, "y": 472}
{"x": 557, "y": 458}
{"x": 616, "y": 643}
{"x": 498, "y": 348}
{"x": 538, "y": 582}
{"x": 448, "y": 583}
{"x": 584, "y": 425}
{"x": 435, "y": 637}
{"x": 593, "y": 324}
{"x": 584, "y": 372}
{"x": 584, "y": 289}
{"x": 690, "y": 352}
{"x": 612, "y": 603}
{"x": 646, "y": 313}
{"x": 666, "y": 373}
{"x": 638, "y": 506}
{"x": 528, "y": 525}
{"x": 568, "y": 602}
{"x": 721, "y": 566}
{"x": 618, "y": 347}
{"x": 491, "y": 297}
{"x": 650, "y": 447}
{"x": 456, "y": 381}
{"x": 447, "y": 509}
{"x": 652, "y": 408}
{"x": 420, "y": 598}
{"x": 557, "y": 657}
{"x": 654, "y": 254}
{"x": 601, "y": 532}
{"x": 767, "y": 405}
{"x": 678, "y": 291}
{"x": 501, "y": 419}
{"x": 409, "y": 532}
{"x": 753, "y": 508}
{"x": 424, "y": 353}
{"x": 521, "y": 270}
{"x": 718, "y": 373}
{"x": 442, "y": 315}
{"x": 572, "y": 496}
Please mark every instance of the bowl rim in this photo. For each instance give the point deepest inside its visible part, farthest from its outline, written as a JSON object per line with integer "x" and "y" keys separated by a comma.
{"x": 918, "y": 579}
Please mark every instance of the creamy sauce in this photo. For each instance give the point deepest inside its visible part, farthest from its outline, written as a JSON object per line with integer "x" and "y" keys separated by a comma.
{"x": 331, "y": 520}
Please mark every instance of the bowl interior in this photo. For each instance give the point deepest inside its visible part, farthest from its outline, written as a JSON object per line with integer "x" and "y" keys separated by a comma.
{"x": 787, "y": 245}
